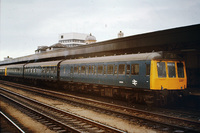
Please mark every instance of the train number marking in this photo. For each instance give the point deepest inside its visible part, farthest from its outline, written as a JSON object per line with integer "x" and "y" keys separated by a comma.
{"x": 134, "y": 82}
{"x": 121, "y": 82}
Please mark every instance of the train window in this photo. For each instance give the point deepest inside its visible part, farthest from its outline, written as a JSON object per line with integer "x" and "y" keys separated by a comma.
{"x": 41, "y": 71}
{"x": 71, "y": 69}
{"x": 100, "y": 69}
{"x": 52, "y": 70}
{"x": 95, "y": 70}
{"x": 161, "y": 69}
{"x": 46, "y": 70}
{"x": 115, "y": 72}
{"x": 82, "y": 69}
{"x": 110, "y": 69}
{"x": 79, "y": 69}
{"x": 87, "y": 71}
{"x": 76, "y": 69}
{"x": 180, "y": 70}
{"x": 128, "y": 70}
{"x": 91, "y": 69}
{"x": 147, "y": 69}
{"x": 55, "y": 69}
{"x": 171, "y": 69}
{"x": 104, "y": 69}
{"x": 64, "y": 70}
{"x": 121, "y": 69}
{"x": 49, "y": 70}
{"x": 135, "y": 69}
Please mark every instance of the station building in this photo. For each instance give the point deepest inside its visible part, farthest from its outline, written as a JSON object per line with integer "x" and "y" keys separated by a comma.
{"x": 72, "y": 39}
{"x": 67, "y": 40}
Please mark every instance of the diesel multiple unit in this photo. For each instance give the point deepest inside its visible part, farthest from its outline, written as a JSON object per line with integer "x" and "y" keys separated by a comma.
{"x": 146, "y": 77}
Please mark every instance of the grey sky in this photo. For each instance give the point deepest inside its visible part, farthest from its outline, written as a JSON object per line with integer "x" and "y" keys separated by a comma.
{"x": 26, "y": 24}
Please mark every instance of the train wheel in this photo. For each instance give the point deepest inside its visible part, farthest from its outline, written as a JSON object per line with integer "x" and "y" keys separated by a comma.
{"x": 149, "y": 100}
{"x": 162, "y": 101}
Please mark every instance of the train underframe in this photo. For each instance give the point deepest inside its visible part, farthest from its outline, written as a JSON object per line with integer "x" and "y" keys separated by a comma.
{"x": 149, "y": 97}
{"x": 143, "y": 96}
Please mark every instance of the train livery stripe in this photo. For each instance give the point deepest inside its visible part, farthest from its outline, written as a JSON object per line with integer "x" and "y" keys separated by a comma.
{"x": 5, "y": 71}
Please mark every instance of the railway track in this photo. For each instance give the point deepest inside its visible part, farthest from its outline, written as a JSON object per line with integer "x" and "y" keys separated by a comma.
{"x": 155, "y": 120}
{"x": 56, "y": 119}
{"x": 7, "y": 125}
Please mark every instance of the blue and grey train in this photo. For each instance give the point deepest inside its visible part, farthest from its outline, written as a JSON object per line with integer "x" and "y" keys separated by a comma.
{"x": 145, "y": 77}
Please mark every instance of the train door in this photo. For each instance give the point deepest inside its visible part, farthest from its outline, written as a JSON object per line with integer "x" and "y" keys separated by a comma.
{"x": 75, "y": 74}
{"x": 134, "y": 79}
{"x": 146, "y": 75}
{"x": 128, "y": 79}
{"x": 100, "y": 74}
{"x": 82, "y": 72}
{"x": 92, "y": 74}
{"x": 121, "y": 74}
{"x": 109, "y": 73}
{"x": 71, "y": 73}
{"x": 139, "y": 74}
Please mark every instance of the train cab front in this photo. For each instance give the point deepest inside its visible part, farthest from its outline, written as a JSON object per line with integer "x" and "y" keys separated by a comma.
{"x": 168, "y": 79}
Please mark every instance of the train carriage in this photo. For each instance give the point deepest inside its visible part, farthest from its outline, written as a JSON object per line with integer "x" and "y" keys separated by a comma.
{"x": 41, "y": 70}
{"x": 125, "y": 70}
{"x": 16, "y": 70}
{"x": 146, "y": 77}
{"x": 135, "y": 76}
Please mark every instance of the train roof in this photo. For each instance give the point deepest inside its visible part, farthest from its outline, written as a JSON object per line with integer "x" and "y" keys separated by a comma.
{"x": 2, "y": 67}
{"x": 117, "y": 58}
{"x": 15, "y": 66}
{"x": 43, "y": 64}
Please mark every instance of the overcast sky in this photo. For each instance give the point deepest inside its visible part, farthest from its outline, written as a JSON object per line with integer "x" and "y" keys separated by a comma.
{"x": 27, "y": 24}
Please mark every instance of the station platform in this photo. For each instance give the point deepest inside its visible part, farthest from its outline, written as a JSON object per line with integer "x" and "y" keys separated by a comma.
{"x": 194, "y": 91}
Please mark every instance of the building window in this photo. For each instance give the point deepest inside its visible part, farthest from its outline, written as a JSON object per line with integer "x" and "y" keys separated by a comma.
{"x": 61, "y": 36}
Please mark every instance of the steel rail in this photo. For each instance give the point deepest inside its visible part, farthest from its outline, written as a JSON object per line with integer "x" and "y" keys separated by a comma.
{"x": 130, "y": 112}
{"x": 112, "y": 107}
{"x": 13, "y": 123}
{"x": 65, "y": 113}
{"x": 42, "y": 115}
